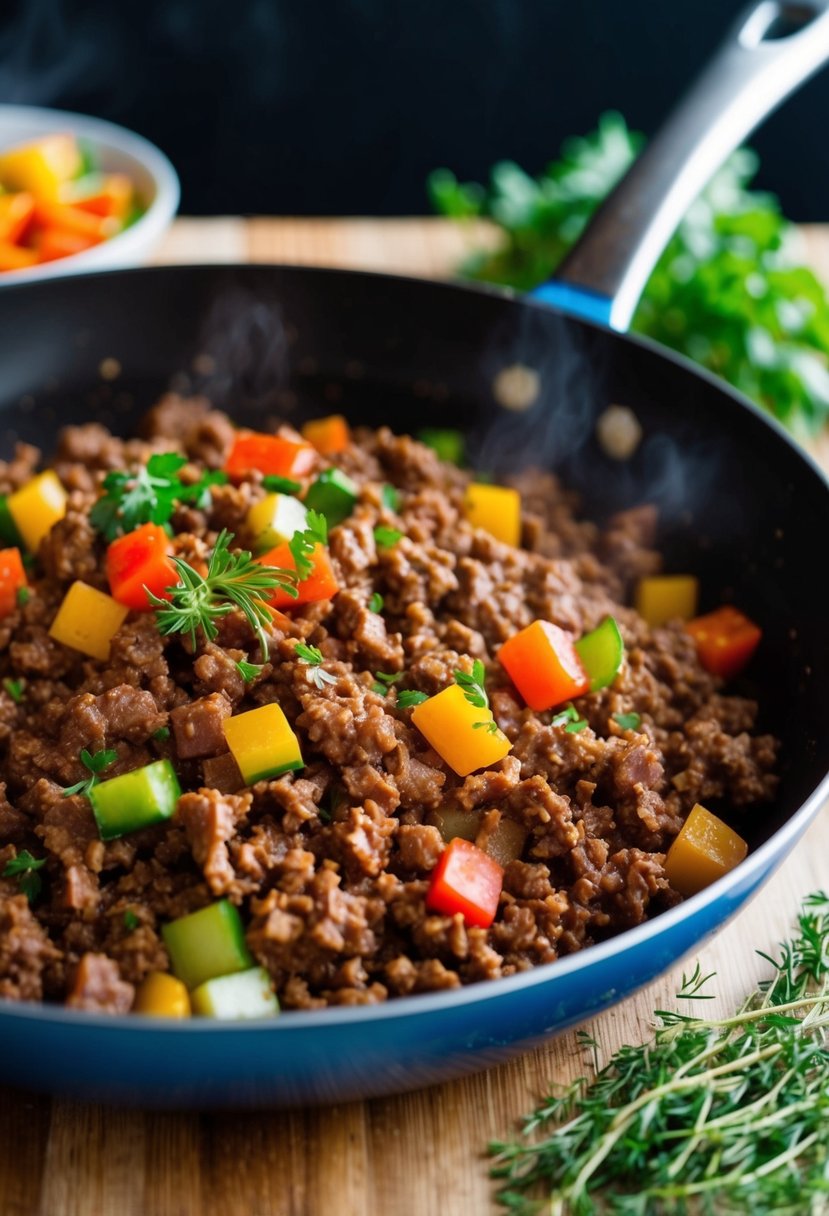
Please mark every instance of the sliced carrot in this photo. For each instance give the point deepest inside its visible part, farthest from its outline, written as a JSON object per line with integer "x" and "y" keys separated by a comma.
{"x": 272, "y": 455}
{"x": 328, "y": 435}
{"x": 95, "y": 228}
{"x": 321, "y": 583}
{"x": 53, "y": 243}
{"x": 16, "y": 211}
{"x": 104, "y": 196}
{"x": 16, "y": 257}
{"x": 140, "y": 561}
{"x": 725, "y": 640}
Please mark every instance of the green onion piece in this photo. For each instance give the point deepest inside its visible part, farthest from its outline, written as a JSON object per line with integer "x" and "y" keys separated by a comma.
{"x": 135, "y": 800}
{"x": 207, "y": 944}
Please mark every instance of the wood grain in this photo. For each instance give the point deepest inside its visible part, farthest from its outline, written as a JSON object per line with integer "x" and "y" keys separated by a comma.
{"x": 415, "y": 1154}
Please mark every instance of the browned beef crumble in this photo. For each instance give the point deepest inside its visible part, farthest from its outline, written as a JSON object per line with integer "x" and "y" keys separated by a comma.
{"x": 331, "y": 865}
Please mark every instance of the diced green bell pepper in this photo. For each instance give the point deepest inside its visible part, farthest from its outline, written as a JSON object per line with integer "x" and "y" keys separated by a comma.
{"x": 135, "y": 800}
{"x": 9, "y": 534}
{"x": 207, "y": 944}
{"x": 601, "y": 652}
{"x": 247, "y": 994}
{"x": 449, "y": 444}
{"x": 334, "y": 495}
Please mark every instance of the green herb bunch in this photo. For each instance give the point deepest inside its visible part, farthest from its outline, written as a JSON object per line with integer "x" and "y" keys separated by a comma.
{"x": 727, "y": 1115}
{"x": 729, "y": 290}
{"x": 148, "y": 495}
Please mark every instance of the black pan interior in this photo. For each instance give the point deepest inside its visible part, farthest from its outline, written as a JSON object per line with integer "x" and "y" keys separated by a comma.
{"x": 739, "y": 505}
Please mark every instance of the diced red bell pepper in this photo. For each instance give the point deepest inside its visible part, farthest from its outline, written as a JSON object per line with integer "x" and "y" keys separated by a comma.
{"x": 138, "y": 561}
{"x": 12, "y": 578}
{"x": 272, "y": 455}
{"x": 543, "y": 665}
{"x": 725, "y": 640}
{"x": 468, "y": 881}
{"x": 321, "y": 583}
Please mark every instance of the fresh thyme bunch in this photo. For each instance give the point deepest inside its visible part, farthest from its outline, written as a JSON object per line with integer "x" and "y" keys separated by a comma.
{"x": 728, "y": 1115}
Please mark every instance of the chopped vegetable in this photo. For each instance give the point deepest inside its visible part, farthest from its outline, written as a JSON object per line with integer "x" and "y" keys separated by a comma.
{"x": 667, "y": 597}
{"x": 303, "y": 544}
{"x": 281, "y": 485}
{"x": 12, "y": 578}
{"x": 87, "y": 621}
{"x": 407, "y": 698}
{"x": 386, "y": 538}
{"x": 569, "y": 718}
{"x": 456, "y": 821}
{"x": 375, "y": 604}
{"x": 467, "y": 881}
{"x": 630, "y": 721}
{"x": 725, "y": 640}
{"x": 542, "y": 663}
{"x": 149, "y": 495}
{"x": 135, "y": 800}
{"x": 109, "y": 195}
{"x": 41, "y": 167}
{"x": 37, "y": 507}
{"x": 15, "y": 689}
{"x": 507, "y": 842}
{"x": 602, "y": 652}
{"x": 95, "y": 763}
{"x": 318, "y": 583}
{"x": 449, "y": 722}
{"x": 234, "y": 581}
{"x": 328, "y": 435}
{"x": 473, "y": 684}
{"x": 131, "y": 921}
{"x": 206, "y": 944}
{"x": 8, "y": 528}
{"x": 704, "y": 850}
{"x": 385, "y": 681}
{"x": 16, "y": 212}
{"x": 390, "y": 497}
{"x": 138, "y": 563}
{"x": 495, "y": 509}
{"x": 247, "y": 994}
{"x": 334, "y": 495}
{"x": 160, "y": 995}
{"x": 272, "y": 455}
{"x": 17, "y": 257}
{"x": 262, "y": 743}
{"x": 274, "y": 520}
{"x": 249, "y": 671}
{"x": 24, "y": 867}
{"x": 447, "y": 443}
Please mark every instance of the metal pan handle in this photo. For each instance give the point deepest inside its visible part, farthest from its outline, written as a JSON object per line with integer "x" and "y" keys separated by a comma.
{"x": 774, "y": 47}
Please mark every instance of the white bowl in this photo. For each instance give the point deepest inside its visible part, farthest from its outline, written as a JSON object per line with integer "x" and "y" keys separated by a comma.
{"x": 119, "y": 151}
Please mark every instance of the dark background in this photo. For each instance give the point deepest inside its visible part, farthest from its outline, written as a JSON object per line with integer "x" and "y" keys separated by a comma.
{"x": 343, "y": 106}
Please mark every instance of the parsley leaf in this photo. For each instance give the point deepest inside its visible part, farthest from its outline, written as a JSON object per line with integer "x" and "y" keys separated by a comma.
{"x": 308, "y": 654}
{"x": 24, "y": 594}
{"x": 24, "y": 867}
{"x": 249, "y": 671}
{"x": 161, "y": 734}
{"x": 280, "y": 485}
{"x": 390, "y": 497}
{"x": 473, "y": 685}
{"x": 630, "y": 721}
{"x": 492, "y": 728}
{"x": 148, "y": 495}
{"x": 131, "y": 921}
{"x": 15, "y": 689}
{"x": 386, "y": 538}
{"x": 376, "y": 602}
{"x": 383, "y": 682}
{"x": 95, "y": 763}
{"x": 407, "y": 698}
{"x": 313, "y": 656}
{"x": 302, "y": 544}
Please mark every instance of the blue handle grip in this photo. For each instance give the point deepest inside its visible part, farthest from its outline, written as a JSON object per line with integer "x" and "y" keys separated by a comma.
{"x": 575, "y": 301}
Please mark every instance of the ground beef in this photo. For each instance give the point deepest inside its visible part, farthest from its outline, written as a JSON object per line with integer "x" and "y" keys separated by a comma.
{"x": 330, "y": 866}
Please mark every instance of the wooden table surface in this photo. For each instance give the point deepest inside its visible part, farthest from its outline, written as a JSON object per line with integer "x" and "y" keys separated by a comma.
{"x": 413, "y": 1155}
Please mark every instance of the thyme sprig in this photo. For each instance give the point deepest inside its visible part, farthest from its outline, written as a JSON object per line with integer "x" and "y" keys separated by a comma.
{"x": 721, "y": 1115}
{"x": 234, "y": 581}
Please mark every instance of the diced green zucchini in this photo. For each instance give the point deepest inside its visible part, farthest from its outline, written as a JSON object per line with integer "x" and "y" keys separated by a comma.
{"x": 334, "y": 495}
{"x": 601, "y": 653}
{"x": 207, "y": 944}
{"x": 135, "y": 800}
{"x": 247, "y": 994}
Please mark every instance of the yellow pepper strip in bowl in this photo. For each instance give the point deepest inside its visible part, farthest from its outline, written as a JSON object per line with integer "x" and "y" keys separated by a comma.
{"x": 705, "y": 849}
{"x": 666, "y": 597}
{"x": 87, "y": 620}
{"x": 496, "y": 509}
{"x": 36, "y": 507}
{"x": 461, "y": 733}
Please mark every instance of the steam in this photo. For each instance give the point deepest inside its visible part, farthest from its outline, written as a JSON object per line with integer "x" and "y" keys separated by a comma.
{"x": 35, "y": 68}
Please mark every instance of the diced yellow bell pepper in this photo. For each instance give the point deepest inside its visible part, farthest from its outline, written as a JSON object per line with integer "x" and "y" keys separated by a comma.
{"x": 262, "y": 743}
{"x": 160, "y": 995}
{"x": 664, "y": 597}
{"x": 87, "y": 620}
{"x": 459, "y": 731}
{"x": 496, "y": 509}
{"x": 36, "y": 507}
{"x": 41, "y": 167}
{"x": 274, "y": 520}
{"x": 705, "y": 849}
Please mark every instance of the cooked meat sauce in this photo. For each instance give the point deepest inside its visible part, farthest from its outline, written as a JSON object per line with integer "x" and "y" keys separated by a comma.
{"x": 330, "y": 864}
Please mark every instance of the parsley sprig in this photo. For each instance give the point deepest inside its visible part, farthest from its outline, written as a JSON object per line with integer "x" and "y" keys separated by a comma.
{"x": 385, "y": 537}
{"x": 313, "y": 656}
{"x": 384, "y": 681}
{"x": 148, "y": 495}
{"x": 16, "y": 689}
{"x": 95, "y": 762}
{"x": 24, "y": 868}
{"x": 570, "y": 720}
{"x": 473, "y": 685}
{"x": 407, "y": 698}
{"x": 302, "y": 544}
{"x": 234, "y": 581}
{"x": 631, "y": 721}
{"x": 726, "y": 1115}
{"x": 249, "y": 671}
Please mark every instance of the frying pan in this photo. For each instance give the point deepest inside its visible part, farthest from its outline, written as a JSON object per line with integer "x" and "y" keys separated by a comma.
{"x": 740, "y": 506}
